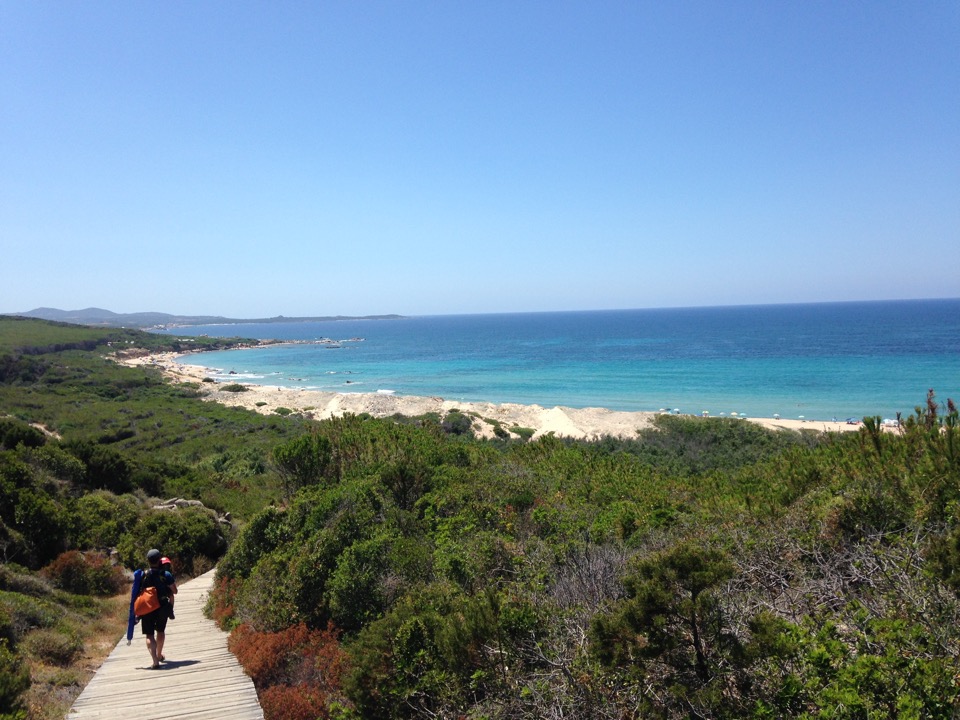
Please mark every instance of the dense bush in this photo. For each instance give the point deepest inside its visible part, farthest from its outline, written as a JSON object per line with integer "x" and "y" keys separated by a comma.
{"x": 456, "y": 423}
{"x": 14, "y": 432}
{"x": 440, "y": 650}
{"x": 305, "y": 461}
{"x": 524, "y": 432}
{"x": 107, "y": 469}
{"x": 691, "y": 445}
{"x": 14, "y": 682}
{"x": 944, "y": 556}
{"x": 185, "y": 535}
{"x": 52, "y": 461}
{"x": 715, "y": 570}
{"x": 297, "y": 671}
{"x": 85, "y": 574}
{"x": 101, "y": 519}
{"x": 27, "y": 613}
{"x": 19, "y": 370}
{"x": 17, "y": 579}
{"x": 34, "y": 523}
{"x": 263, "y": 534}
{"x": 221, "y": 604}
{"x": 234, "y": 388}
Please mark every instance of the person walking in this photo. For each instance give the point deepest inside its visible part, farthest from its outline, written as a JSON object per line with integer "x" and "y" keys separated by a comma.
{"x": 154, "y": 625}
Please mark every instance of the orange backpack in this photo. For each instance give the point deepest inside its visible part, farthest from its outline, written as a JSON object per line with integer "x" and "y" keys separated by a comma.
{"x": 147, "y": 601}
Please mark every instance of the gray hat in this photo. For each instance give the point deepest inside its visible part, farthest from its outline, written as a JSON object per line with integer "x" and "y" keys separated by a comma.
{"x": 153, "y": 557}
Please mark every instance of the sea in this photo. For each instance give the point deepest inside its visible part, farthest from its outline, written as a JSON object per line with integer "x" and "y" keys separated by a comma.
{"x": 816, "y": 361}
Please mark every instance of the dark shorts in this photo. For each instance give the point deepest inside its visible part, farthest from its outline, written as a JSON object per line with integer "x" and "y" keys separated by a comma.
{"x": 155, "y": 621}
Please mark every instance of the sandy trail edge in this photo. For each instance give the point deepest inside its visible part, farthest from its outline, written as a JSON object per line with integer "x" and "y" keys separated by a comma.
{"x": 581, "y": 423}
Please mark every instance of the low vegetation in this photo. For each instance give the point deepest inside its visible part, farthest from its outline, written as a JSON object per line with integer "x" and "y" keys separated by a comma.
{"x": 708, "y": 568}
{"x": 403, "y": 569}
{"x": 233, "y": 388}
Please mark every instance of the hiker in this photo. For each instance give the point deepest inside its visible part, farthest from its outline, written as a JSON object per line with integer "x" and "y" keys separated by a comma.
{"x": 156, "y": 621}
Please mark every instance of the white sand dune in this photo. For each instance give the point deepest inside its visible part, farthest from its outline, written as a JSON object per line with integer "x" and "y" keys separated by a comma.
{"x": 589, "y": 423}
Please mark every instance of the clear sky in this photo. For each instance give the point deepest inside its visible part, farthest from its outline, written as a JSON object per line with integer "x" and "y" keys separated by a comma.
{"x": 316, "y": 158}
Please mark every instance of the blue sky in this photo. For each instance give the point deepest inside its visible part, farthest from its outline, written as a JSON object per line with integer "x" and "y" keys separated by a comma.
{"x": 256, "y": 159}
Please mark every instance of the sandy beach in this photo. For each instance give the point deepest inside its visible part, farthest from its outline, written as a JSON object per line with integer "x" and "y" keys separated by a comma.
{"x": 580, "y": 423}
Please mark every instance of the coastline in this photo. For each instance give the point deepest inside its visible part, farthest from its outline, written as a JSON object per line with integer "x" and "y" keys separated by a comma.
{"x": 578, "y": 423}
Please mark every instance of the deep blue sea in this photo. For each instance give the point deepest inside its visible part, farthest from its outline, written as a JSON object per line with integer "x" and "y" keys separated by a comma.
{"x": 819, "y": 361}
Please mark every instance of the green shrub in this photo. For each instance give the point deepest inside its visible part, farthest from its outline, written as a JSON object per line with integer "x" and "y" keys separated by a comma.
{"x": 668, "y": 595}
{"x": 101, "y": 518}
{"x": 435, "y": 647}
{"x": 267, "y": 601}
{"x": 6, "y": 625}
{"x": 43, "y": 524}
{"x": 57, "y": 462}
{"x": 52, "y": 646}
{"x": 943, "y": 559}
{"x": 65, "y": 678}
{"x": 234, "y": 388}
{"x": 182, "y": 535}
{"x": 15, "y": 545}
{"x": 356, "y": 586}
{"x": 525, "y": 433}
{"x": 16, "y": 432}
{"x": 16, "y": 579}
{"x": 456, "y": 423}
{"x": 262, "y": 535}
{"x": 14, "y": 682}
{"x": 106, "y": 468}
{"x": 283, "y": 411}
{"x": 27, "y": 613}
{"x": 305, "y": 461}
{"x": 14, "y": 473}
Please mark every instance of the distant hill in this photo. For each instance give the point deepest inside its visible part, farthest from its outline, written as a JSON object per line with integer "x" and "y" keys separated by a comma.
{"x": 99, "y": 316}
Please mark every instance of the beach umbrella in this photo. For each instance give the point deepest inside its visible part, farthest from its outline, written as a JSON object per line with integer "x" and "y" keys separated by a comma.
{"x": 776, "y": 416}
{"x": 801, "y": 417}
{"x": 733, "y": 414}
{"x": 676, "y": 411}
{"x": 704, "y": 412}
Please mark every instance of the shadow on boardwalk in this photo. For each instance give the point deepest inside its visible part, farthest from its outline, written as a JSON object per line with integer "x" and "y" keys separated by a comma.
{"x": 201, "y": 678}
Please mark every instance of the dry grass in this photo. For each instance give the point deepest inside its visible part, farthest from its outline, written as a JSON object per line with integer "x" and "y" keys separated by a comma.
{"x": 54, "y": 688}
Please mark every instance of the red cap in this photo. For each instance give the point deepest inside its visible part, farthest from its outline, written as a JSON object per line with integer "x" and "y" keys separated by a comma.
{"x": 164, "y": 561}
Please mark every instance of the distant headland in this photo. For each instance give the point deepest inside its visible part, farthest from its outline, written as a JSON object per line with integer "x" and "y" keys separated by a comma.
{"x": 106, "y": 318}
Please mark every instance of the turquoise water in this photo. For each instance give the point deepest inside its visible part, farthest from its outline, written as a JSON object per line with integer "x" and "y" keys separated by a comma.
{"x": 820, "y": 361}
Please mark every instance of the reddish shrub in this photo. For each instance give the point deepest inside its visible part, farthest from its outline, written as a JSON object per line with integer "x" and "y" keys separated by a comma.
{"x": 223, "y": 601}
{"x": 303, "y": 702}
{"x": 297, "y": 665}
{"x": 85, "y": 574}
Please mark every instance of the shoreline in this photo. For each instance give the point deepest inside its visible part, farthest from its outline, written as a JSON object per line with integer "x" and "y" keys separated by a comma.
{"x": 579, "y": 423}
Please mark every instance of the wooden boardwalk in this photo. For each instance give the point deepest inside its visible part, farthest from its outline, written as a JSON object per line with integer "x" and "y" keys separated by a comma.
{"x": 200, "y": 679}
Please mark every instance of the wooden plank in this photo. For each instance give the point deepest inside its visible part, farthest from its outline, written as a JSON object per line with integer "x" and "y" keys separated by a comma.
{"x": 200, "y": 680}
